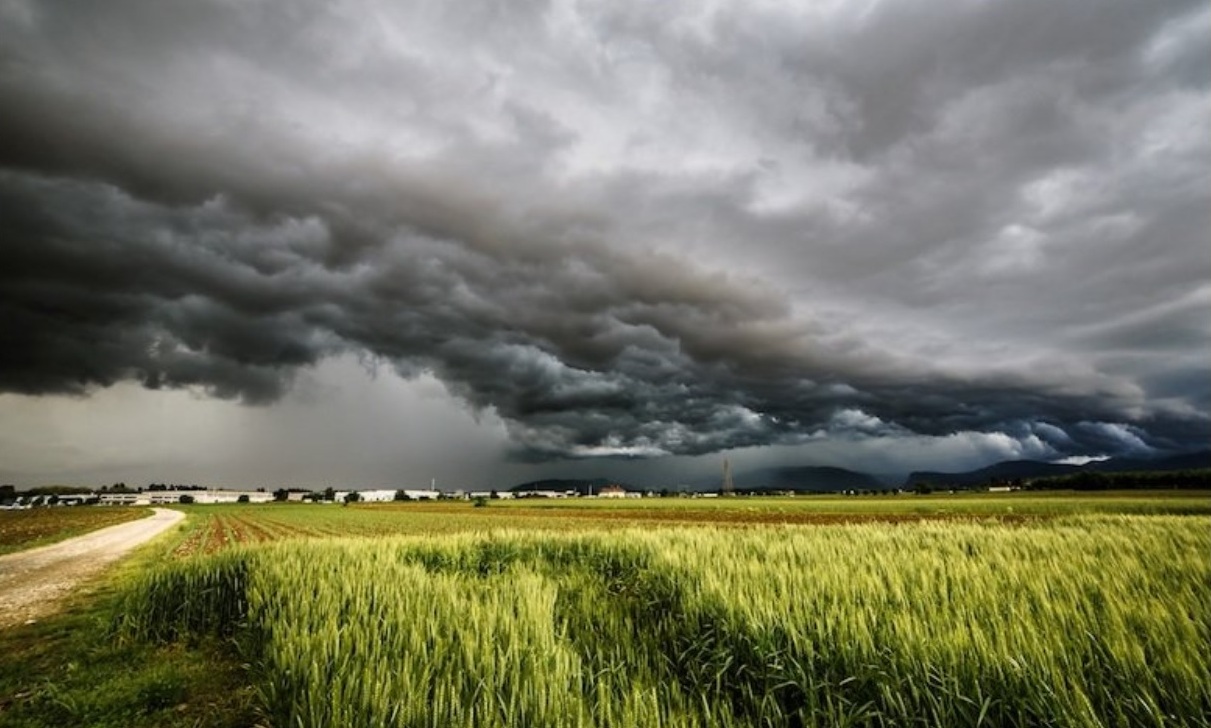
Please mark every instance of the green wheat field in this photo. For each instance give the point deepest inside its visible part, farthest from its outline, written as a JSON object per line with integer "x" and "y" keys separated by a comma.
{"x": 1069, "y": 616}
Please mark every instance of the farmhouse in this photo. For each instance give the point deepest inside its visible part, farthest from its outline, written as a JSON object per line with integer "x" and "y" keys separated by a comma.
{"x": 612, "y": 491}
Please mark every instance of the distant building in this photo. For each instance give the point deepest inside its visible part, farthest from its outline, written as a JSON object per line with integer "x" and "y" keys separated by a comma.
{"x": 163, "y": 497}
{"x": 124, "y": 499}
{"x": 612, "y": 491}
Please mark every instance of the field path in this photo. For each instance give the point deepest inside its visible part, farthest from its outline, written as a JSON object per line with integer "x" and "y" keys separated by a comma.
{"x": 32, "y": 582}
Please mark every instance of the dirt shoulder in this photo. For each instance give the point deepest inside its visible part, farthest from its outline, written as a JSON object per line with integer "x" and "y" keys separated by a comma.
{"x": 33, "y": 582}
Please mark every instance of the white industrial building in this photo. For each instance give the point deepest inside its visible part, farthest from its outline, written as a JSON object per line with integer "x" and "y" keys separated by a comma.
{"x": 169, "y": 497}
{"x": 124, "y": 499}
{"x": 384, "y": 495}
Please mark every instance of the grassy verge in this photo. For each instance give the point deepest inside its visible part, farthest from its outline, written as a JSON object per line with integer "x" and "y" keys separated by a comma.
{"x": 72, "y": 670}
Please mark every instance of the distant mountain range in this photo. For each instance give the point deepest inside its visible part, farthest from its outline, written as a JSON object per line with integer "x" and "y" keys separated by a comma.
{"x": 563, "y": 485}
{"x": 798, "y": 478}
{"x": 806, "y": 479}
{"x": 1009, "y": 470}
{"x": 826, "y": 479}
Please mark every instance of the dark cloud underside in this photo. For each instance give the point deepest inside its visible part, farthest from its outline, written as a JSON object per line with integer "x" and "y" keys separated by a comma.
{"x": 624, "y": 233}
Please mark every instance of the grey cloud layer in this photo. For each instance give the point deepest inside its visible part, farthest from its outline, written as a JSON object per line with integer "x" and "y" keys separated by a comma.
{"x": 216, "y": 196}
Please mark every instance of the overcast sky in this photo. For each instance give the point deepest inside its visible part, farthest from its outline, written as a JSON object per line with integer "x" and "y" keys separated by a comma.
{"x": 374, "y": 243}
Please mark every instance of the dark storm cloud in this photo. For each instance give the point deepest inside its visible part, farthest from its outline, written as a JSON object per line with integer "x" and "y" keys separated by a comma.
{"x": 624, "y": 233}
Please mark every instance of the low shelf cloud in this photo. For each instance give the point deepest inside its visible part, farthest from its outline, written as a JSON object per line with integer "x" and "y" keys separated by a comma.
{"x": 620, "y": 230}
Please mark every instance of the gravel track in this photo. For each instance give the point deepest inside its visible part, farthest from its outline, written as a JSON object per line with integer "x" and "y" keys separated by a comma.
{"x": 33, "y": 582}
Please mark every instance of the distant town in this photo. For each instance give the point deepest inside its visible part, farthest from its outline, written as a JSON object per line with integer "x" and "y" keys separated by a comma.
{"x": 1191, "y": 470}
{"x": 120, "y": 494}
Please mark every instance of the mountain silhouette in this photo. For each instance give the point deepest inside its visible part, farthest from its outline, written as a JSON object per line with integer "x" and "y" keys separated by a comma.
{"x": 1009, "y": 470}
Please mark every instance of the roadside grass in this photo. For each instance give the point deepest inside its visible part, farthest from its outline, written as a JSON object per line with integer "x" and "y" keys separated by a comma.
{"x": 72, "y": 668}
{"x": 32, "y": 527}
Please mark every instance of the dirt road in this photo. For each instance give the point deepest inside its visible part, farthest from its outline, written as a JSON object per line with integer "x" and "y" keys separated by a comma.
{"x": 33, "y": 582}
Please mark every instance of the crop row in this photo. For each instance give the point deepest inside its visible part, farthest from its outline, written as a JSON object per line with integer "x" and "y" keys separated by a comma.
{"x": 214, "y": 529}
{"x": 1093, "y": 621}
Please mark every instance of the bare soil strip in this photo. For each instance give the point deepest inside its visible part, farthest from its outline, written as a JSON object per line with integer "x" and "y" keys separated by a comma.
{"x": 33, "y": 582}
